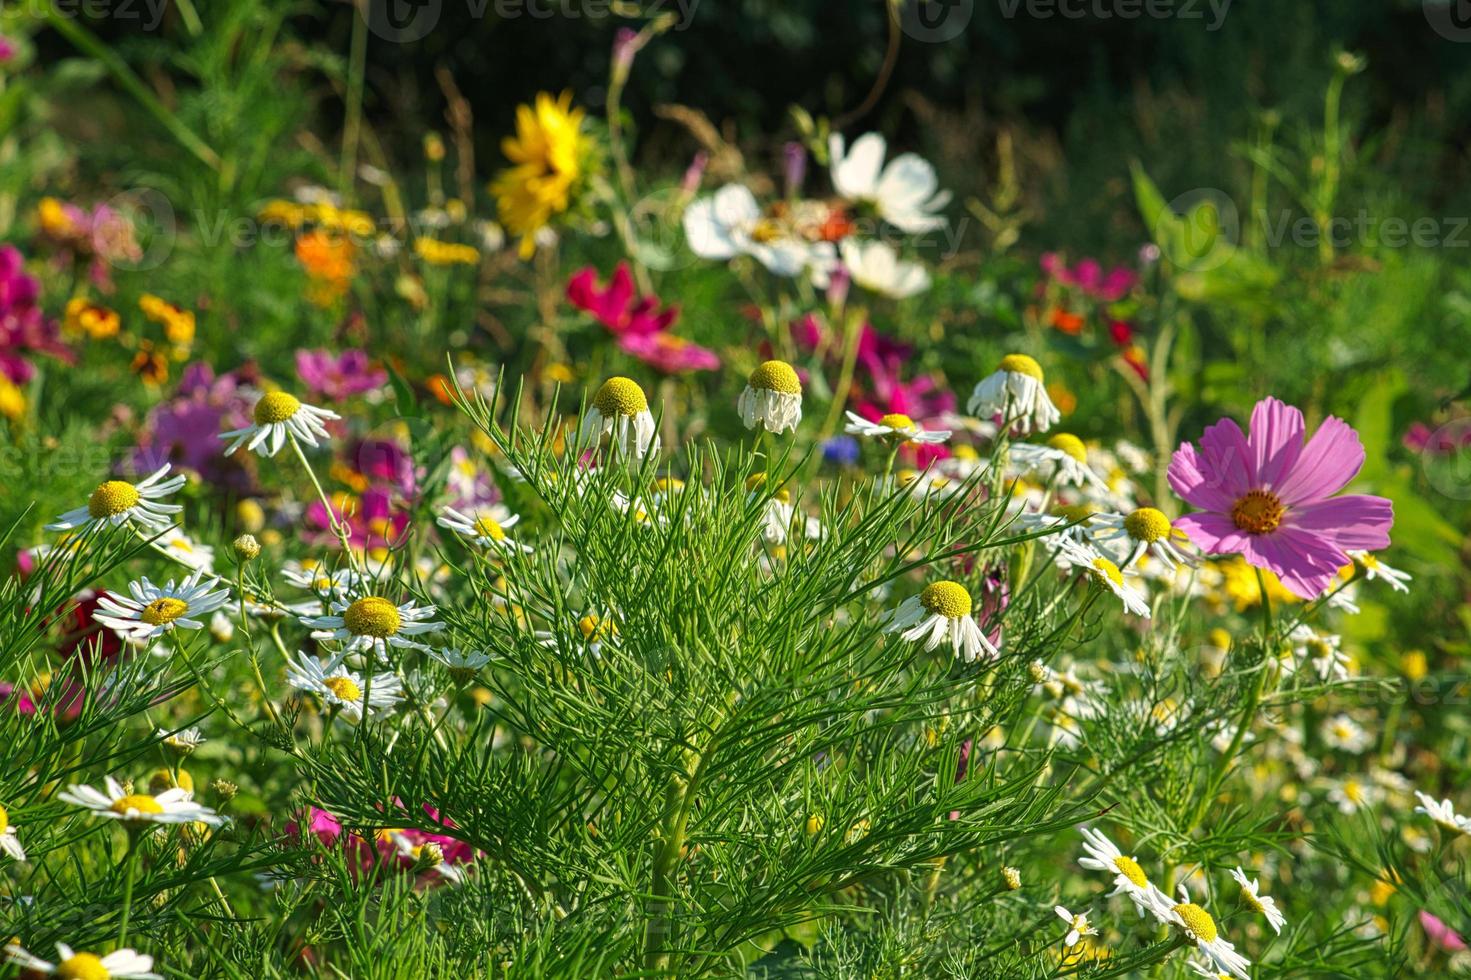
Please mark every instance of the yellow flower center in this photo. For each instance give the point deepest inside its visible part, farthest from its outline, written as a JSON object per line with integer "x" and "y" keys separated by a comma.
{"x": 1198, "y": 922}
{"x": 4, "y": 820}
{"x": 161, "y": 612}
{"x": 1130, "y": 869}
{"x": 756, "y": 482}
{"x": 596, "y": 629}
{"x": 1069, "y": 444}
{"x": 948, "y": 599}
{"x": 136, "y": 803}
{"x": 112, "y": 498}
{"x": 1148, "y": 524}
{"x": 489, "y": 527}
{"x": 1106, "y": 569}
{"x": 1075, "y": 512}
{"x": 344, "y": 688}
{"x": 778, "y": 376}
{"x": 372, "y": 616}
{"x": 1021, "y": 364}
{"x": 1258, "y": 512}
{"x": 1254, "y": 903}
{"x": 620, "y": 396}
{"x": 275, "y": 406}
{"x": 82, "y": 966}
{"x": 897, "y": 420}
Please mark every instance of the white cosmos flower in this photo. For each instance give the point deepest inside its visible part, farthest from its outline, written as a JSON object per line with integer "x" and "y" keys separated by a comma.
{"x": 941, "y": 614}
{"x": 374, "y": 623}
{"x": 278, "y": 415}
{"x": 149, "y": 611}
{"x": 904, "y": 193}
{"x": 485, "y": 526}
{"x": 772, "y": 398}
{"x": 174, "y": 805}
{"x": 730, "y": 223}
{"x": 1264, "y": 905}
{"x": 1078, "y": 925}
{"x": 1443, "y": 813}
{"x": 1128, "y": 877}
{"x": 339, "y": 687}
{"x": 118, "y": 502}
{"x": 1376, "y": 569}
{"x": 186, "y": 550}
{"x": 1201, "y": 930}
{"x": 1063, "y": 460}
{"x": 621, "y": 408}
{"x": 1071, "y": 554}
{"x": 1016, "y": 391}
{"x": 120, "y": 964}
{"x": 9, "y": 839}
{"x": 894, "y": 424}
{"x": 875, "y": 266}
{"x": 1145, "y": 530}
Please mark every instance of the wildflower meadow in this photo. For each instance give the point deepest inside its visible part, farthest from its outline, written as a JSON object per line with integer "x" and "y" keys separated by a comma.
{"x": 617, "y": 489}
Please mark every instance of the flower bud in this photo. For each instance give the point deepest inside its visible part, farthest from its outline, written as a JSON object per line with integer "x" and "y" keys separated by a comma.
{"x": 247, "y": 548}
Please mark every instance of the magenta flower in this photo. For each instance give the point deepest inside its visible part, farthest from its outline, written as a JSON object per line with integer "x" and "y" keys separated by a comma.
{"x": 1441, "y": 936}
{"x": 1270, "y": 498}
{"x": 24, "y": 328}
{"x": 1089, "y": 277}
{"x": 618, "y": 306}
{"x": 7, "y": 48}
{"x": 669, "y": 354}
{"x": 339, "y": 376}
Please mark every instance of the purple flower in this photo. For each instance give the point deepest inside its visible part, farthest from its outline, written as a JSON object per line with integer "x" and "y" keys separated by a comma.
{"x": 185, "y": 430}
{"x": 339, "y": 377}
{"x": 24, "y": 328}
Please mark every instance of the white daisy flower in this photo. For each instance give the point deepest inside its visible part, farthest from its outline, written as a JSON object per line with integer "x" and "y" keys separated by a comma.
{"x": 1343, "y": 733}
{"x": 485, "y": 526}
{"x": 118, "y": 501}
{"x": 1145, "y": 530}
{"x": 9, "y": 839}
{"x": 1198, "y": 926}
{"x": 313, "y": 576}
{"x": 730, "y": 223}
{"x": 777, "y": 510}
{"x": 461, "y": 664}
{"x": 373, "y": 623}
{"x": 149, "y": 611}
{"x": 900, "y": 426}
{"x": 136, "y": 809}
{"x": 1015, "y": 391}
{"x": 1071, "y": 554}
{"x": 1264, "y": 905}
{"x": 1129, "y": 878}
{"x": 1443, "y": 813}
{"x": 339, "y": 687}
{"x": 278, "y": 415}
{"x": 183, "y": 741}
{"x": 1078, "y": 925}
{"x": 1205, "y": 968}
{"x": 185, "y": 550}
{"x": 428, "y": 854}
{"x": 904, "y": 193}
{"x": 1063, "y": 460}
{"x": 1322, "y": 652}
{"x": 1072, "y": 522}
{"x": 120, "y": 964}
{"x": 1376, "y": 569}
{"x": 772, "y": 398}
{"x": 1354, "y": 794}
{"x": 621, "y": 408}
{"x": 941, "y": 613}
{"x": 875, "y": 266}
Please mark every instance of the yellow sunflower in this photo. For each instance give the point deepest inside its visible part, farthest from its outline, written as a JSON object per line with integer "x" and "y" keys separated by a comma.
{"x": 546, "y": 156}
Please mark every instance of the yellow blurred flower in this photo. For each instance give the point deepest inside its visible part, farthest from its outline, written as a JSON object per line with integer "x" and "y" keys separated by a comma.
{"x": 546, "y": 155}
{"x": 177, "y": 322}
{"x": 436, "y": 252}
{"x": 86, "y": 317}
{"x": 149, "y": 365}
{"x": 12, "y": 400}
{"x": 1238, "y": 583}
{"x": 55, "y": 221}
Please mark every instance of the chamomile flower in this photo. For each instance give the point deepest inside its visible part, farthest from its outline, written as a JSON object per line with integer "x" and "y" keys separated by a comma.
{"x": 9, "y": 839}
{"x": 1063, "y": 459}
{"x": 1443, "y": 813}
{"x": 621, "y": 408}
{"x": 120, "y": 964}
{"x": 374, "y": 623}
{"x": 1343, "y": 733}
{"x": 900, "y": 427}
{"x": 1015, "y": 391}
{"x": 772, "y": 398}
{"x": 314, "y": 576}
{"x": 119, "y": 502}
{"x": 1129, "y": 878}
{"x": 1322, "y": 653}
{"x": 186, "y": 551}
{"x": 776, "y": 508}
{"x": 1201, "y": 930}
{"x": 461, "y": 664}
{"x": 1145, "y": 530}
{"x": 941, "y": 613}
{"x": 114, "y": 802}
{"x": 1376, "y": 569}
{"x": 1078, "y": 926}
{"x": 1264, "y": 905}
{"x": 1071, "y": 554}
{"x": 339, "y": 687}
{"x": 277, "y": 416}
{"x": 149, "y": 611}
{"x": 1354, "y": 794}
{"x": 184, "y": 741}
{"x": 485, "y": 526}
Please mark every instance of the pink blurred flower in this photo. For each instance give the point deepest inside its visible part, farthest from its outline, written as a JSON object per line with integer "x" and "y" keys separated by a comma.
{"x": 338, "y": 376}
{"x": 185, "y": 429}
{"x": 669, "y": 354}
{"x": 364, "y": 854}
{"x": 24, "y": 328}
{"x": 1089, "y": 277}
{"x": 1441, "y": 936}
{"x": 640, "y": 324}
{"x": 1270, "y": 497}
{"x": 7, "y": 48}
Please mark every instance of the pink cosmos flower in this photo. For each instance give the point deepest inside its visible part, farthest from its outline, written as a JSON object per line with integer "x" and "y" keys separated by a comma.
{"x": 1089, "y": 277}
{"x": 1270, "y": 497}
{"x": 1441, "y": 936}
{"x": 339, "y": 376}
{"x": 640, "y": 324}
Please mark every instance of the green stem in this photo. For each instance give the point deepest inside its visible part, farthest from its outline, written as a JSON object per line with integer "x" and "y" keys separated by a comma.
{"x": 337, "y": 527}
{"x": 352, "y": 124}
{"x": 130, "y": 868}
